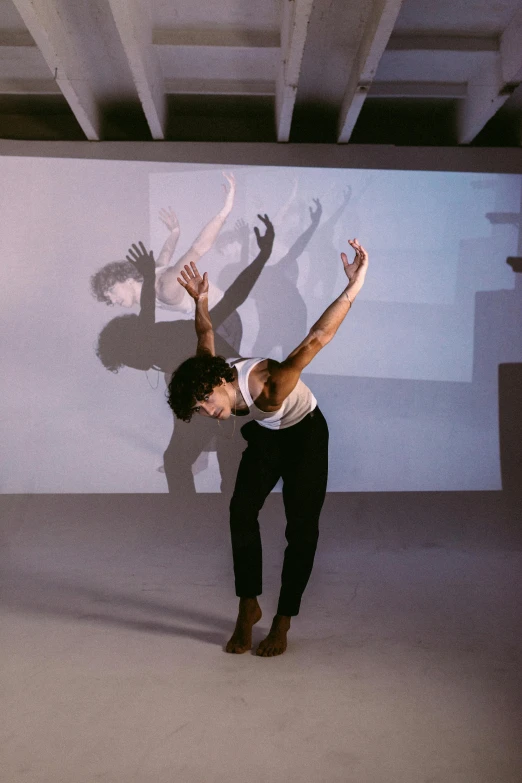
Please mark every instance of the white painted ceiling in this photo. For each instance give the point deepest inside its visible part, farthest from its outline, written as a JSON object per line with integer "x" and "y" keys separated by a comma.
{"x": 440, "y": 72}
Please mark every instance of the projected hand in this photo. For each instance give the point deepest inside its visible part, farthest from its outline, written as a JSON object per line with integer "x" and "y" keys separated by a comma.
{"x": 266, "y": 240}
{"x": 356, "y": 271}
{"x": 241, "y": 230}
{"x": 169, "y": 218}
{"x": 192, "y": 281}
{"x": 143, "y": 261}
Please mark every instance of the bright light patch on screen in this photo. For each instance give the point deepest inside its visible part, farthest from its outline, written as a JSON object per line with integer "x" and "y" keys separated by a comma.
{"x": 431, "y": 237}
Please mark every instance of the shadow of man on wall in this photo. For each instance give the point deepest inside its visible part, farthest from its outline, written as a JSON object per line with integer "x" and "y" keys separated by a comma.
{"x": 138, "y": 341}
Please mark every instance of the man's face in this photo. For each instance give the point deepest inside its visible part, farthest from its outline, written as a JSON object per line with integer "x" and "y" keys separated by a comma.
{"x": 122, "y": 294}
{"x": 216, "y": 404}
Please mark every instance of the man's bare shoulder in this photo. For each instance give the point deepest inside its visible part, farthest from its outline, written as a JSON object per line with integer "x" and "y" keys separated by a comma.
{"x": 258, "y": 378}
{"x": 260, "y": 383}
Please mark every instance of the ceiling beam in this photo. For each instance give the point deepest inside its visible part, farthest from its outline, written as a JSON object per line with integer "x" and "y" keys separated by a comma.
{"x": 134, "y": 27}
{"x": 230, "y": 37}
{"x": 29, "y": 87}
{"x": 218, "y": 87}
{"x": 490, "y": 86}
{"x": 294, "y": 31}
{"x": 446, "y": 43}
{"x": 376, "y": 35}
{"x": 16, "y": 38}
{"x": 55, "y": 39}
{"x": 447, "y": 90}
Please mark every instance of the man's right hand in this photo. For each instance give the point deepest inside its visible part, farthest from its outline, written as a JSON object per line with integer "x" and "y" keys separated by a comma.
{"x": 192, "y": 281}
{"x": 356, "y": 271}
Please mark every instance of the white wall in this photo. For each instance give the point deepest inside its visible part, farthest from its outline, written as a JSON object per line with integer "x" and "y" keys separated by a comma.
{"x": 411, "y": 403}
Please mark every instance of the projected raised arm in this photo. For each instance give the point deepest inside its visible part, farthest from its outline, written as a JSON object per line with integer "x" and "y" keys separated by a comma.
{"x": 170, "y": 219}
{"x": 282, "y": 212}
{"x": 168, "y": 289}
{"x": 119, "y": 282}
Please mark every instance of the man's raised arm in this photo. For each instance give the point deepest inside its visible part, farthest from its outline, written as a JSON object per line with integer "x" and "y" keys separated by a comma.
{"x": 284, "y": 376}
{"x": 197, "y": 287}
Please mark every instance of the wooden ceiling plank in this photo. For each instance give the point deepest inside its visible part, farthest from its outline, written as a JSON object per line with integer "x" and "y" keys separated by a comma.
{"x": 447, "y": 90}
{"x": 134, "y": 26}
{"x": 294, "y": 31}
{"x": 225, "y": 37}
{"x": 446, "y": 43}
{"x": 376, "y": 35}
{"x": 491, "y": 86}
{"x": 55, "y": 41}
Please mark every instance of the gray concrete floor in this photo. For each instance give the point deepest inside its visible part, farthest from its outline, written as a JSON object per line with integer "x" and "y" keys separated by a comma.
{"x": 404, "y": 664}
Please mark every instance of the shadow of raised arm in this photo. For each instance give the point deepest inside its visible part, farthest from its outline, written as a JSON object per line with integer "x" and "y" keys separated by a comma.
{"x": 301, "y": 242}
{"x": 245, "y": 281}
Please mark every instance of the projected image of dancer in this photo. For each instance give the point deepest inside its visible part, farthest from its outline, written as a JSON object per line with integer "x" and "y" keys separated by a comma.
{"x": 287, "y": 438}
{"x": 142, "y": 342}
{"x": 120, "y": 283}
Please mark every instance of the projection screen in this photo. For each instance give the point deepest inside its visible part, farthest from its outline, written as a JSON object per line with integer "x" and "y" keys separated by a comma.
{"x": 408, "y": 385}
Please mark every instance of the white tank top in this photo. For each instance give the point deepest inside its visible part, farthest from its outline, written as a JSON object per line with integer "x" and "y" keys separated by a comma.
{"x": 297, "y": 405}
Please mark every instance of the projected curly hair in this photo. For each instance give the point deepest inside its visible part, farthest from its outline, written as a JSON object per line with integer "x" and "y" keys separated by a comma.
{"x": 194, "y": 379}
{"x": 115, "y": 272}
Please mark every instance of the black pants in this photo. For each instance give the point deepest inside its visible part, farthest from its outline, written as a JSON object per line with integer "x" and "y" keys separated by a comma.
{"x": 299, "y": 455}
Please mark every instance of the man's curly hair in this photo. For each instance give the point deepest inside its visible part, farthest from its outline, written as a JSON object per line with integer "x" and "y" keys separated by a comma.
{"x": 193, "y": 380}
{"x": 115, "y": 272}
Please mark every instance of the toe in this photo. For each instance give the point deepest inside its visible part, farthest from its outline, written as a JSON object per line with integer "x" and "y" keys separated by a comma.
{"x": 235, "y": 646}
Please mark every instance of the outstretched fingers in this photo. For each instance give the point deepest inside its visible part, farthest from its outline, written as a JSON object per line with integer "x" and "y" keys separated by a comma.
{"x": 169, "y": 218}
{"x": 136, "y": 252}
{"x": 268, "y": 223}
{"x": 361, "y": 256}
{"x": 189, "y": 273}
{"x": 356, "y": 246}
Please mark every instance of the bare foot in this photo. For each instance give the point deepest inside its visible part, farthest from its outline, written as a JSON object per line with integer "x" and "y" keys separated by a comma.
{"x": 249, "y": 615}
{"x": 275, "y": 642}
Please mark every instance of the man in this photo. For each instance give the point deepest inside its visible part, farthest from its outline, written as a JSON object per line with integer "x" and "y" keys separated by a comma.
{"x": 287, "y": 438}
